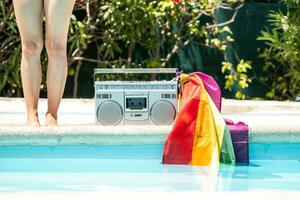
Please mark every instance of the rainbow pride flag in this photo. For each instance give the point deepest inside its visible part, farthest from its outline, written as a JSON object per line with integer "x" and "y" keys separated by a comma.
{"x": 199, "y": 135}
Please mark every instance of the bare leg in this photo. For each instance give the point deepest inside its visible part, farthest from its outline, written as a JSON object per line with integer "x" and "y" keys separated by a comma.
{"x": 29, "y": 19}
{"x": 57, "y": 13}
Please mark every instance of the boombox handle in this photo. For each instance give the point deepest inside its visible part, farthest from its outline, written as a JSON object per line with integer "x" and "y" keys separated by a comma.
{"x": 135, "y": 71}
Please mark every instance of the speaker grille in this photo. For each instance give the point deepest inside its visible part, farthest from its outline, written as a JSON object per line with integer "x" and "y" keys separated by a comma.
{"x": 109, "y": 113}
{"x": 162, "y": 113}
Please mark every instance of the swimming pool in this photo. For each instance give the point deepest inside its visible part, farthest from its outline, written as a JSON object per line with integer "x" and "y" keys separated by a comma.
{"x": 138, "y": 168}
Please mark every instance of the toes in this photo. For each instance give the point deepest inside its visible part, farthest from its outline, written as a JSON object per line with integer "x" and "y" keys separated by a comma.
{"x": 33, "y": 123}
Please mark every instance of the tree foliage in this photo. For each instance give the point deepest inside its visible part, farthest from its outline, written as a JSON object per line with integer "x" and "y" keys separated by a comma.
{"x": 132, "y": 33}
{"x": 282, "y": 54}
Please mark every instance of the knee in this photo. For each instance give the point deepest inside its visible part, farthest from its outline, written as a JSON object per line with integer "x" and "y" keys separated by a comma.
{"x": 55, "y": 48}
{"x": 31, "y": 48}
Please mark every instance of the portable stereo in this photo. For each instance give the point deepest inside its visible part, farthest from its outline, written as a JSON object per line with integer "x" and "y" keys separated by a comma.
{"x": 135, "y": 102}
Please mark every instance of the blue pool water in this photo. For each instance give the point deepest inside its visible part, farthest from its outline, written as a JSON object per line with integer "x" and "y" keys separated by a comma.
{"x": 139, "y": 168}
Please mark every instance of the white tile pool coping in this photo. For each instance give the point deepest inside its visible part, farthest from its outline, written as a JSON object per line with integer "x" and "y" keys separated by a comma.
{"x": 269, "y": 121}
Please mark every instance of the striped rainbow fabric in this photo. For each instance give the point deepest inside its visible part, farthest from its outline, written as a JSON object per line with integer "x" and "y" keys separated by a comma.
{"x": 199, "y": 135}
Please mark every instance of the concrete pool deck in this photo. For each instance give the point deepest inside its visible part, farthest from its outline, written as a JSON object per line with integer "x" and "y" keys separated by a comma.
{"x": 269, "y": 121}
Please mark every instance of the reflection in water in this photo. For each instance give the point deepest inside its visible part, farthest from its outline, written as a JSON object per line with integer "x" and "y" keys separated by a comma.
{"x": 198, "y": 178}
{"x": 225, "y": 175}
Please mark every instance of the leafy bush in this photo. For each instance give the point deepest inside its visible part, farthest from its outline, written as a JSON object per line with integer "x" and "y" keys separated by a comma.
{"x": 282, "y": 55}
{"x": 135, "y": 33}
{"x": 10, "y": 50}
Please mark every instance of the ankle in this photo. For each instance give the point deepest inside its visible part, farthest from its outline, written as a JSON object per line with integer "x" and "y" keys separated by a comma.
{"x": 32, "y": 114}
{"x": 50, "y": 114}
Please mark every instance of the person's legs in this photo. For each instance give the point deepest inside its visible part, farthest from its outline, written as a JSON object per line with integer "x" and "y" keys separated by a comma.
{"x": 57, "y": 14}
{"x": 29, "y": 19}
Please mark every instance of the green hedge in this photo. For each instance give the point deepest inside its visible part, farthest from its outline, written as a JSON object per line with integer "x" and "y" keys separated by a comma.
{"x": 191, "y": 35}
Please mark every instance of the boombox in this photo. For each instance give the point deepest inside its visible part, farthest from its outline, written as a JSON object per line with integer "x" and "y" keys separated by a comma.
{"x": 135, "y": 102}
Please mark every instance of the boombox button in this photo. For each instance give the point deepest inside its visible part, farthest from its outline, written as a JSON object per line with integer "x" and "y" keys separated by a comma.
{"x": 136, "y": 116}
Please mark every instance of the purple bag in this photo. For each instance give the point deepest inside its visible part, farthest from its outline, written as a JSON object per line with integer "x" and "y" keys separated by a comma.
{"x": 239, "y": 131}
{"x": 240, "y": 140}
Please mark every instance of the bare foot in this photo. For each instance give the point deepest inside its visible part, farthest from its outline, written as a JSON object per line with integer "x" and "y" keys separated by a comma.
{"x": 50, "y": 120}
{"x": 33, "y": 120}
